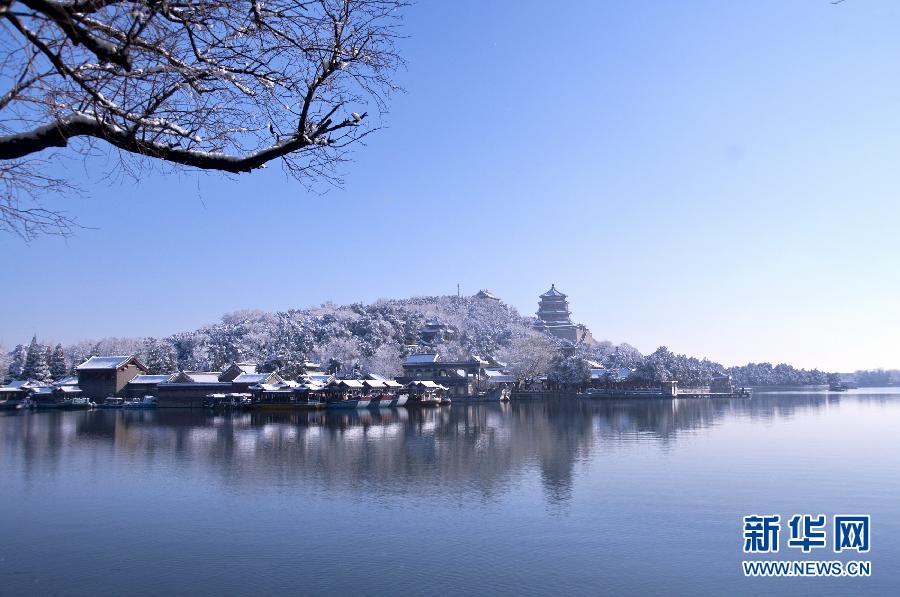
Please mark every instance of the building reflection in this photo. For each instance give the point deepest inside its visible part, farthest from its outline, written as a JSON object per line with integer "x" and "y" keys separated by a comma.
{"x": 464, "y": 451}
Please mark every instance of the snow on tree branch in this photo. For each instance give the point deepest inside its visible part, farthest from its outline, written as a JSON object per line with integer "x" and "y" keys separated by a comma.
{"x": 223, "y": 85}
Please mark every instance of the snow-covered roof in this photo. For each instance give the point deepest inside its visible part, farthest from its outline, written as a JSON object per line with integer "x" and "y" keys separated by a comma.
{"x": 311, "y": 386}
{"x": 71, "y": 380}
{"x": 272, "y": 387}
{"x": 350, "y": 383}
{"x": 374, "y": 383}
{"x": 113, "y": 362}
{"x": 624, "y": 372}
{"x": 201, "y": 376}
{"x": 420, "y": 359}
{"x": 151, "y": 379}
{"x": 497, "y": 376}
{"x": 427, "y": 384}
{"x": 552, "y": 293}
{"x": 392, "y": 384}
{"x": 486, "y": 294}
{"x": 15, "y": 385}
{"x": 69, "y": 389}
{"x": 252, "y": 378}
{"x": 322, "y": 378}
{"x": 42, "y": 390}
{"x": 593, "y": 364}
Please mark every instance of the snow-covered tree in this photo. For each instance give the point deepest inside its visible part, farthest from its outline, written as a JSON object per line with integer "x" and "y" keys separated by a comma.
{"x": 5, "y": 358}
{"x": 386, "y": 360}
{"x": 159, "y": 356}
{"x": 570, "y": 370}
{"x": 529, "y": 356}
{"x": 16, "y": 365}
{"x": 58, "y": 366}
{"x": 36, "y": 365}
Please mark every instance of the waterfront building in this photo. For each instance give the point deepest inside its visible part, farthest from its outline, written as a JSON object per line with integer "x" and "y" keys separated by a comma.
{"x": 145, "y": 385}
{"x": 99, "y": 377}
{"x": 461, "y": 377}
{"x": 190, "y": 388}
{"x": 554, "y": 317}
{"x": 721, "y": 384}
{"x": 242, "y": 382}
{"x": 236, "y": 369}
{"x": 16, "y": 389}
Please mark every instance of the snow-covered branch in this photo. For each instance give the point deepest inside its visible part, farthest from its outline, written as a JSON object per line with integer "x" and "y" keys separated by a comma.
{"x": 224, "y": 85}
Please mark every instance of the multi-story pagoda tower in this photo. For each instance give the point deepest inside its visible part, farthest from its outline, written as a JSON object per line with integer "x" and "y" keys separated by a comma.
{"x": 553, "y": 315}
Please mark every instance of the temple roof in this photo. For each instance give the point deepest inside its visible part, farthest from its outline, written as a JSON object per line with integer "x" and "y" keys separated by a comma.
{"x": 553, "y": 293}
{"x": 114, "y": 362}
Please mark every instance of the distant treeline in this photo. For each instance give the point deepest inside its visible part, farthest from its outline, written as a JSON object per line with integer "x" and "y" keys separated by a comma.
{"x": 349, "y": 339}
{"x": 876, "y": 377}
{"x": 766, "y": 374}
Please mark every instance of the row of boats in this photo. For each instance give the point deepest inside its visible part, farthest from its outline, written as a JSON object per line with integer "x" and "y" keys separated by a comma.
{"x": 239, "y": 401}
{"x": 285, "y": 401}
{"x": 79, "y": 403}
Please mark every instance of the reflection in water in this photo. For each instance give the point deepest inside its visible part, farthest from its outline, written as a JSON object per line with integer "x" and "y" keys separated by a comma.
{"x": 464, "y": 450}
{"x": 531, "y": 498}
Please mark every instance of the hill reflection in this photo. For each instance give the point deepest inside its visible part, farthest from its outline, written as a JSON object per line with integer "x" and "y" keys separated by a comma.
{"x": 472, "y": 451}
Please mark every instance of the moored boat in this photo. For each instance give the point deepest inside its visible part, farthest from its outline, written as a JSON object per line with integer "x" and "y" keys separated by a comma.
{"x": 351, "y": 403}
{"x": 285, "y": 405}
{"x": 138, "y": 403}
{"x": 425, "y": 399}
{"x": 381, "y": 401}
{"x": 112, "y": 402}
{"x": 77, "y": 403}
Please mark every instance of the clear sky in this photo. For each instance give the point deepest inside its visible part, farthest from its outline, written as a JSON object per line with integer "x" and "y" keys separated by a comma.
{"x": 718, "y": 177}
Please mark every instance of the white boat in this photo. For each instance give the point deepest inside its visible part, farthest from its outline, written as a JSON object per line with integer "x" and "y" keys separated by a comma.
{"x": 78, "y": 403}
{"x": 145, "y": 402}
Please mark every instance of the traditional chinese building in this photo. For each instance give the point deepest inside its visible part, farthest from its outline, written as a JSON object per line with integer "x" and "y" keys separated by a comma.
{"x": 436, "y": 331}
{"x": 99, "y": 377}
{"x": 460, "y": 377}
{"x": 487, "y": 295}
{"x": 554, "y": 317}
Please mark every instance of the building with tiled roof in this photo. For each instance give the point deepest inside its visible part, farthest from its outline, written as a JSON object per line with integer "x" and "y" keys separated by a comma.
{"x": 554, "y": 317}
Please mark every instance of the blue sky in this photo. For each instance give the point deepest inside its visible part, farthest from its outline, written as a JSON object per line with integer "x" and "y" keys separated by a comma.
{"x": 718, "y": 177}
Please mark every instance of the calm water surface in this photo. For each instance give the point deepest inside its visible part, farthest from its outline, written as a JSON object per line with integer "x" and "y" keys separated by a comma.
{"x": 564, "y": 497}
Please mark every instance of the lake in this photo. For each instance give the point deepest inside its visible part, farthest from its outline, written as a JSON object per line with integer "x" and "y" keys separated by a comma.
{"x": 560, "y": 497}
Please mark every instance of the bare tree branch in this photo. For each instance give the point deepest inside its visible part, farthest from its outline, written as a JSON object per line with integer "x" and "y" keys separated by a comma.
{"x": 225, "y": 85}
{"x": 22, "y": 185}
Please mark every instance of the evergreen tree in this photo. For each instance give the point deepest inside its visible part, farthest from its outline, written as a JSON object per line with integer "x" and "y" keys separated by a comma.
{"x": 58, "y": 368}
{"x": 17, "y": 363}
{"x": 36, "y": 366}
